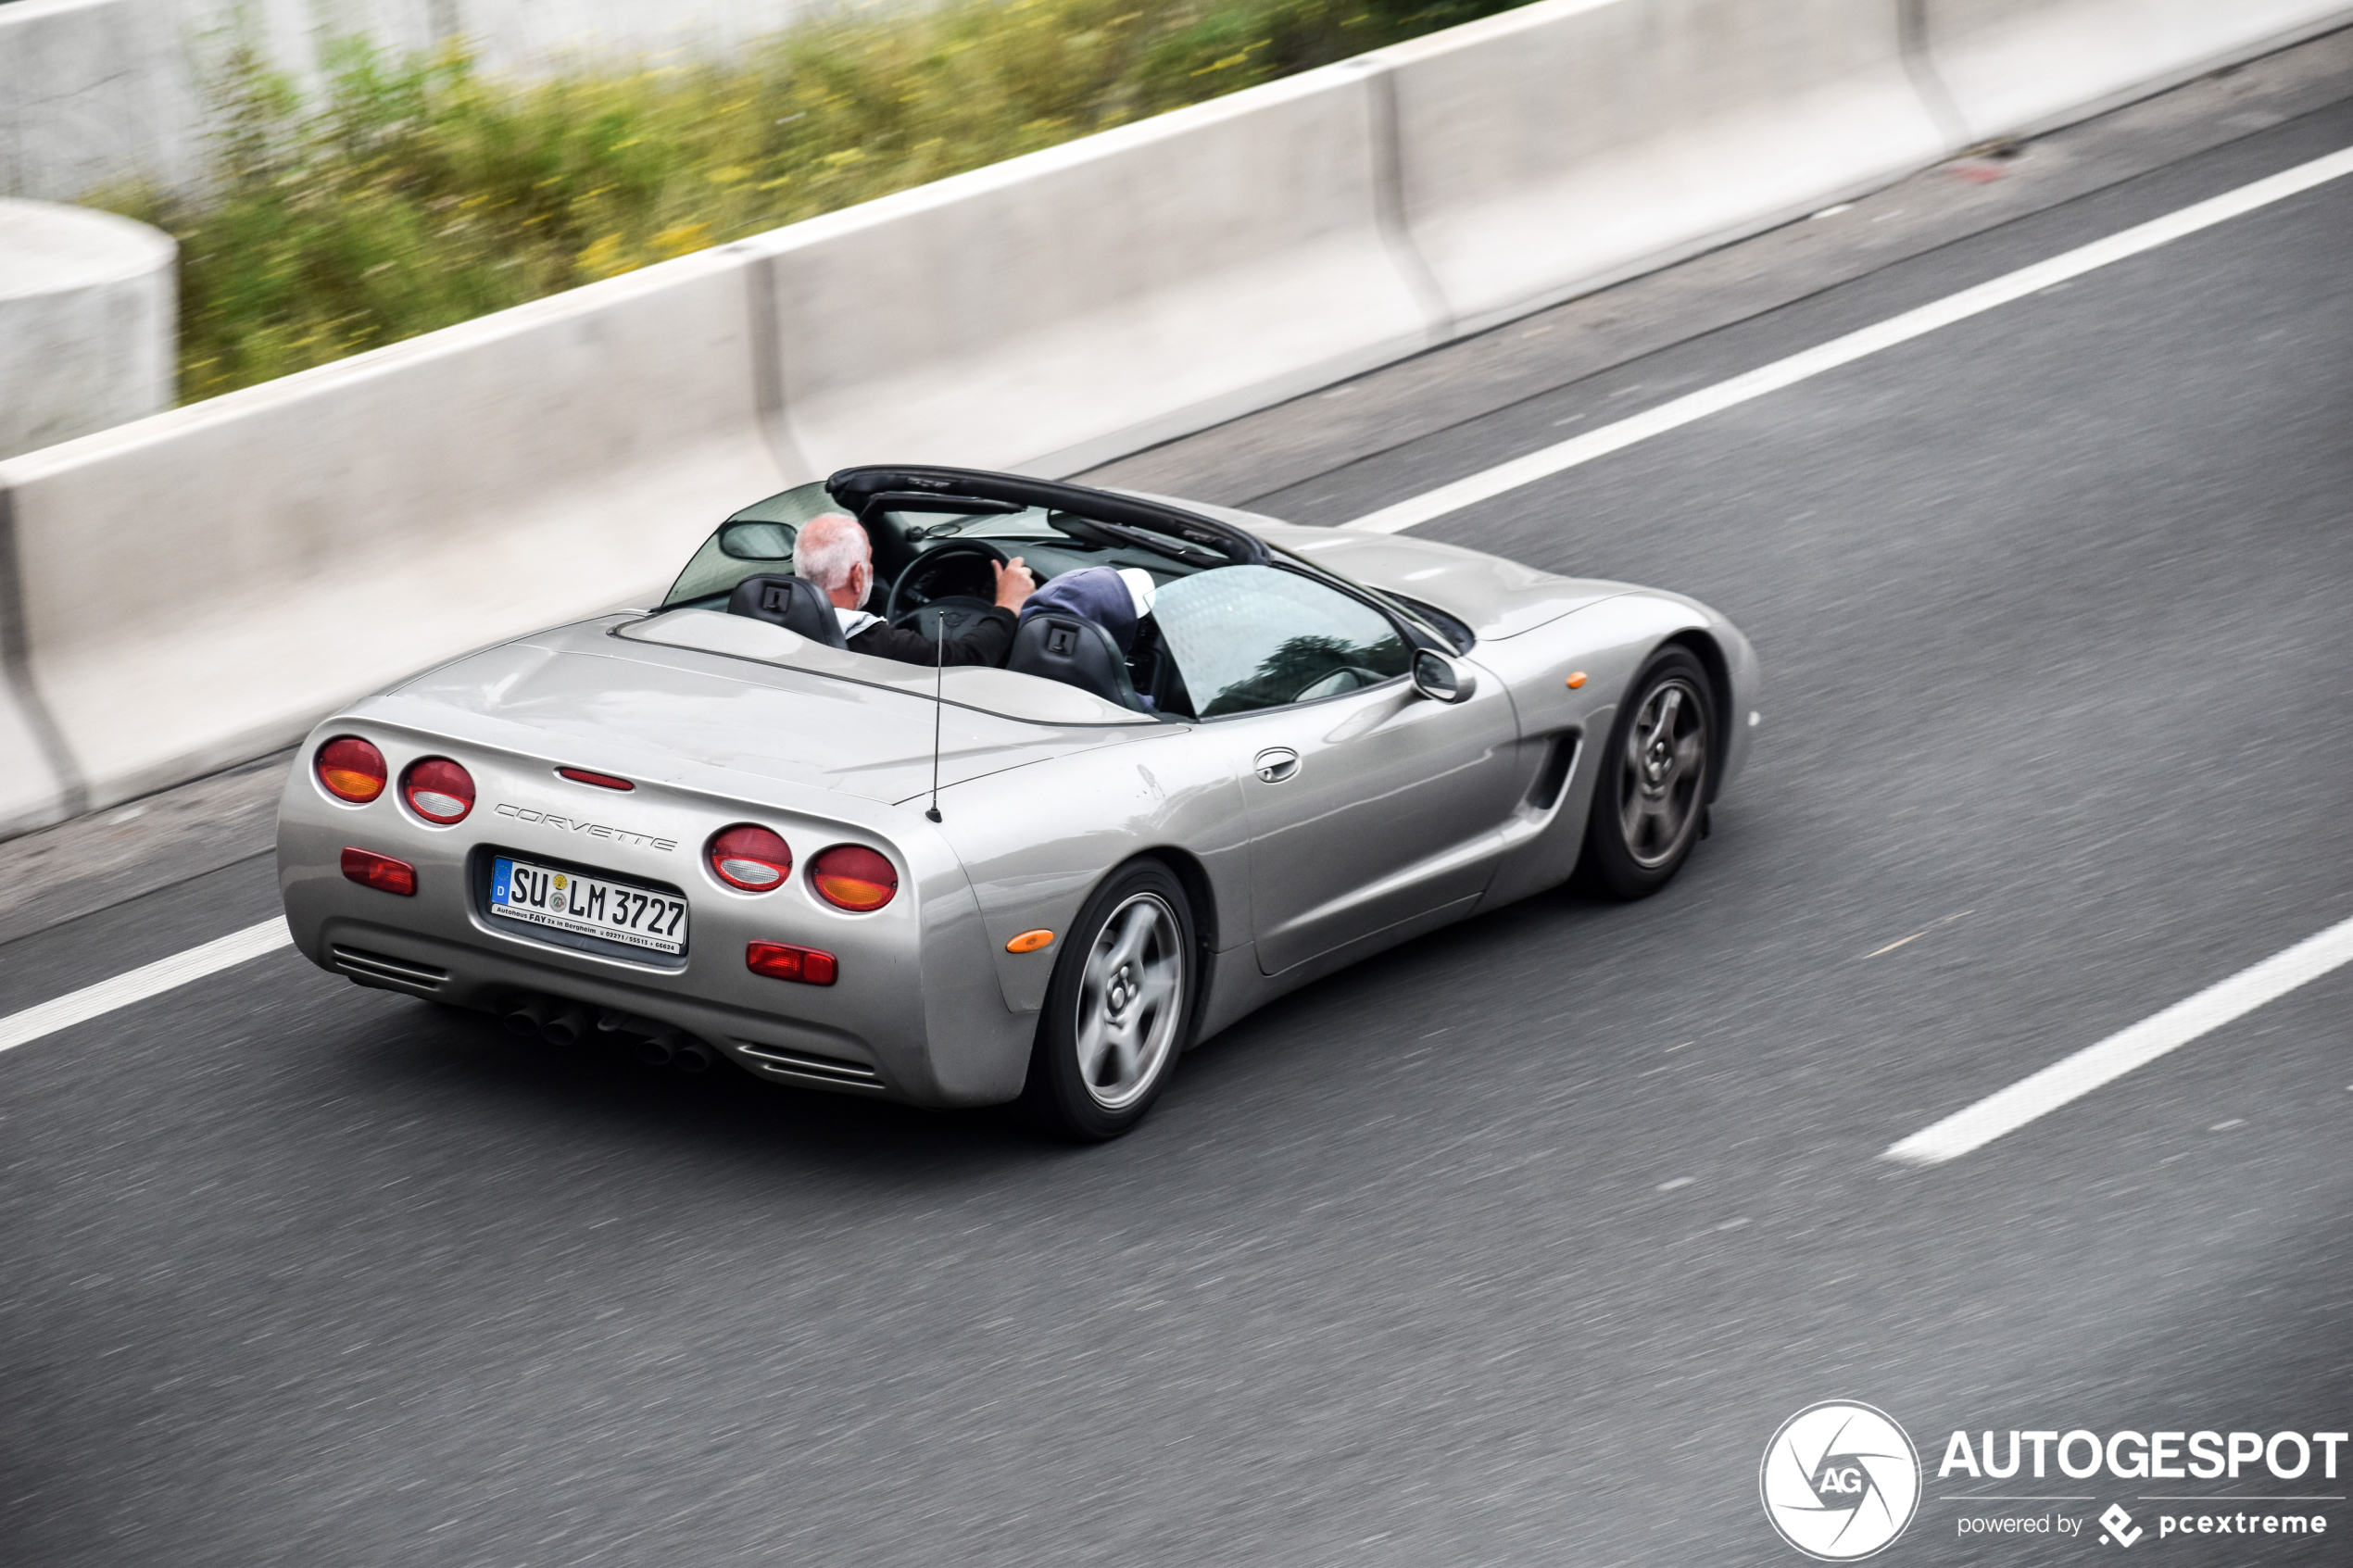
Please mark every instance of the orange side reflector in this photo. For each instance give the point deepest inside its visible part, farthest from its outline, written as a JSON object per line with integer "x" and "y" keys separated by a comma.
{"x": 1576, "y": 679}
{"x": 1029, "y": 941}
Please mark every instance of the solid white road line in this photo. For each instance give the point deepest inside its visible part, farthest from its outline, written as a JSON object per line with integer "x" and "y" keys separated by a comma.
{"x": 2120, "y": 1053}
{"x": 1855, "y": 346}
{"x": 151, "y": 980}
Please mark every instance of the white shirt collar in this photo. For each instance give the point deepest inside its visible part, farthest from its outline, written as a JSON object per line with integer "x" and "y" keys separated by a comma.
{"x": 854, "y": 621}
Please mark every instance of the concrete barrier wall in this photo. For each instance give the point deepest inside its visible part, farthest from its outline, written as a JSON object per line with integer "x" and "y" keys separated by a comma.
{"x": 1083, "y": 301}
{"x": 2018, "y": 66}
{"x": 191, "y": 590}
{"x": 1549, "y": 151}
{"x": 199, "y": 587}
{"x": 93, "y": 91}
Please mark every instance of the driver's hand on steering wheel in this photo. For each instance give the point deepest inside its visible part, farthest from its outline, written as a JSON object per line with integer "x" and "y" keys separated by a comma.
{"x": 1013, "y": 584}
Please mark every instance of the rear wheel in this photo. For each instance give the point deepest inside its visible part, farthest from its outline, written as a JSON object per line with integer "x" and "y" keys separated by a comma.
{"x": 1651, "y": 800}
{"x": 1118, "y": 1008}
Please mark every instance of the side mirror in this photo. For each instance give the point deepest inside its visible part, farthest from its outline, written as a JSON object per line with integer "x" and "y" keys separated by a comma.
{"x": 1440, "y": 678}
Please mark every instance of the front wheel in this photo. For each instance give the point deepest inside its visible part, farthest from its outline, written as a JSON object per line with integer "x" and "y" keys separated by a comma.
{"x": 1118, "y": 1010}
{"x": 1650, "y": 798}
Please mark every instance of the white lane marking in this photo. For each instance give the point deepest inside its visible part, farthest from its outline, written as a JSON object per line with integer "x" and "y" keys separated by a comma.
{"x": 149, "y": 979}
{"x": 1680, "y": 411}
{"x": 1917, "y": 935}
{"x": 2079, "y": 1074}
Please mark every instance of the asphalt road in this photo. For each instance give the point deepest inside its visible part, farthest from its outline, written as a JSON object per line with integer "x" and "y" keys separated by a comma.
{"x": 1514, "y": 1248}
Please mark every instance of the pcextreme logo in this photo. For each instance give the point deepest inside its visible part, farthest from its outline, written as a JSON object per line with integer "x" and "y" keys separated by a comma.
{"x": 1840, "y": 1480}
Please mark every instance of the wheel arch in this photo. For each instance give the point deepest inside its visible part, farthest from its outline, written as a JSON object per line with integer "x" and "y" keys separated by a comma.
{"x": 1193, "y": 877}
{"x": 1703, "y": 646}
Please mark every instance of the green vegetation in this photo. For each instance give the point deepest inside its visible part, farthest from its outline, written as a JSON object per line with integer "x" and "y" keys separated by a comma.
{"x": 421, "y": 192}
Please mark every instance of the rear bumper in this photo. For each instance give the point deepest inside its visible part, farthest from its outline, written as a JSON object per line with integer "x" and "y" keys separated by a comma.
{"x": 917, "y": 1013}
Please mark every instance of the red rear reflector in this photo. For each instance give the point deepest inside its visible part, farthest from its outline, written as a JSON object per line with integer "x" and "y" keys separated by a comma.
{"x": 778, "y": 962}
{"x": 352, "y": 770}
{"x": 438, "y": 790}
{"x": 751, "y": 857}
{"x": 602, "y": 780}
{"x": 854, "y": 877}
{"x": 380, "y": 872}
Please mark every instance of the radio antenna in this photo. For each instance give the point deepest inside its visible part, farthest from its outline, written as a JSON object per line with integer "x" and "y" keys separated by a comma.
{"x": 938, "y": 674}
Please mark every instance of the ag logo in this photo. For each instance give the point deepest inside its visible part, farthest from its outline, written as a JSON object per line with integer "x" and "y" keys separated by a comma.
{"x": 1839, "y": 1481}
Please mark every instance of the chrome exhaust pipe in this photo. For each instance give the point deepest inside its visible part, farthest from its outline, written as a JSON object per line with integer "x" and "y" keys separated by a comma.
{"x": 525, "y": 1018}
{"x": 566, "y": 1028}
{"x": 692, "y": 1056}
{"x": 657, "y": 1049}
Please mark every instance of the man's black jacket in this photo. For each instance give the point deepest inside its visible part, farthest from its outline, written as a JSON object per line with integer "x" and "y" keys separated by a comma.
{"x": 983, "y": 642}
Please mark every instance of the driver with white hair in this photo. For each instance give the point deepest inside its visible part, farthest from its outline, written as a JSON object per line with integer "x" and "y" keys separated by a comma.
{"x": 834, "y": 553}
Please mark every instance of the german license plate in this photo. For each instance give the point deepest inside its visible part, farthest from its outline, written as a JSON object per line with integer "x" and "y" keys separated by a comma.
{"x": 588, "y": 906}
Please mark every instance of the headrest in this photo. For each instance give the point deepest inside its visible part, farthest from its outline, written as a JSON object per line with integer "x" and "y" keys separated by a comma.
{"x": 794, "y": 602}
{"x": 1075, "y": 652}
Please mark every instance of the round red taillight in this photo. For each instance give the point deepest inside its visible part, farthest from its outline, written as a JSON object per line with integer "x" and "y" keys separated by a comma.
{"x": 751, "y": 857}
{"x": 854, "y": 877}
{"x": 438, "y": 790}
{"x": 352, "y": 770}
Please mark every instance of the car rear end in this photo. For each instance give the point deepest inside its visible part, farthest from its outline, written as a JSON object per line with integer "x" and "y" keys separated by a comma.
{"x": 815, "y": 937}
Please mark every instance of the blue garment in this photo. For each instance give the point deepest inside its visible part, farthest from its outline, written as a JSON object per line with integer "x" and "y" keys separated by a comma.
{"x": 1093, "y": 593}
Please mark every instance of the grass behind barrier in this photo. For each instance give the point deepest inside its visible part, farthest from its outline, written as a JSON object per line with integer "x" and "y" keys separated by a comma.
{"x": 419, "y": 191}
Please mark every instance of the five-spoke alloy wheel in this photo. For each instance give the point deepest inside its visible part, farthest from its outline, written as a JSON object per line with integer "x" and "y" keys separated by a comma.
{"x": 1650, "y": 799}
{"x": 1118, "y": 1009}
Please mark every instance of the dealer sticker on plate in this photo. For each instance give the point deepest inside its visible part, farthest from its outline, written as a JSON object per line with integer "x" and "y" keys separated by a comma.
{"x": 588, "y": 906}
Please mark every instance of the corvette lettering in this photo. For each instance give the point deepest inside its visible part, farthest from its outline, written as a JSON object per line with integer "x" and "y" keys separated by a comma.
{"x": 574, "y": 824}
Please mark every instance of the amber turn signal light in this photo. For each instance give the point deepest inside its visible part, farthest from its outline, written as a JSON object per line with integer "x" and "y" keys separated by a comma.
{"x": 851, "y": 876}
{"x": 352, "y": 770}
{"x": 380, "y": 872}
{"x": 778, "y": 961}
{"x": 1576, "y": 679}
{"x": 1029, "y": 941}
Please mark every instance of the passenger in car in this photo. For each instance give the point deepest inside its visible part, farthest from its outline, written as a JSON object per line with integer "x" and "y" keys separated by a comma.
{"x": 1114, "y": 599}
{"x": 834, "y": 553}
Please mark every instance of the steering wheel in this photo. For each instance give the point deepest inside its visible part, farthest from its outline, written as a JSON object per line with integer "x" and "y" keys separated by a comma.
{"x": 902, "y": 604}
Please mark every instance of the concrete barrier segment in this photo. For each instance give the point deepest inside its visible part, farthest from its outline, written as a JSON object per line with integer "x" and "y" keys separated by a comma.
{"x": 38, "y": 782}
{"x": 1558, "y": 148}
{"x": 199, "y": 587}
{"x": 2016, "y": 68}
{"x": 95, "y": 91}
{"x": 89, "y": 313}
{"x": 1081, "y": 302}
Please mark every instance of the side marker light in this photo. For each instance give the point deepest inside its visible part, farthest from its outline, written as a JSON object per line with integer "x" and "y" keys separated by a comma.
{"x": 779, "y": 961}
{"x": 1576, "y": 679}
{"x": 380, "y": 872}
{"x": 1029, "y": 941}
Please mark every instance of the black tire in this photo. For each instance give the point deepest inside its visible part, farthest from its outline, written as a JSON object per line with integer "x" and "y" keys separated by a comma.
{"x": 1116, "y": 1019}
{"x": 1650, "y": 799}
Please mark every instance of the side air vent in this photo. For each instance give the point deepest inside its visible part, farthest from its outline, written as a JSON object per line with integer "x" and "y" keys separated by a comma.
{"x": 1547, "y": 791}
{"x": 809, "y": 1068}
{"x": 379, "y": 969}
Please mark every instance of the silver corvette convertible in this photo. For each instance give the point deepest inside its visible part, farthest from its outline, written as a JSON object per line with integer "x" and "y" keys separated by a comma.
{"x": 711, "y": 830}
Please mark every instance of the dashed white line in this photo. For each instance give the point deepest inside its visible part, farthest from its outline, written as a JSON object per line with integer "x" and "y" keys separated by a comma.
{"x": 2074, "y": 1076}
{"x": 149, "y": 979}
{"x": 1677, "y": 412}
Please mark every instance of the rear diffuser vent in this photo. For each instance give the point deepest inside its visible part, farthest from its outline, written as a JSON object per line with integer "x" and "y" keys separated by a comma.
{"x": 830, "y": 1070}
{"x": 379, "y": 969}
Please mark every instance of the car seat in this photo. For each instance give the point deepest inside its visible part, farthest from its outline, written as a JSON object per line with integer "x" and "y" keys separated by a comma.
{"x": 794, "y": 602}
{"x": 1077, "y": 653}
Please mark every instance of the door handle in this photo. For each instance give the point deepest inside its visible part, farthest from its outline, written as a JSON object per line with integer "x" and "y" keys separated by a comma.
{"x": 1276, "y": 763}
